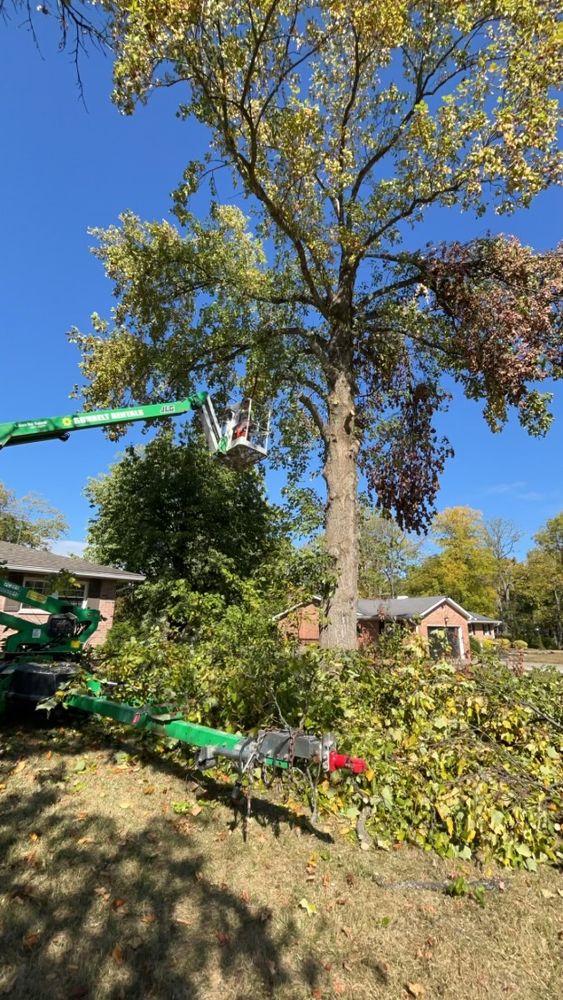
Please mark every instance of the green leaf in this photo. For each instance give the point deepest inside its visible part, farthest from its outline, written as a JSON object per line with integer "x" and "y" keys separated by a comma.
{"x": 497, "y": 821}
{"x": 387, "y": 796}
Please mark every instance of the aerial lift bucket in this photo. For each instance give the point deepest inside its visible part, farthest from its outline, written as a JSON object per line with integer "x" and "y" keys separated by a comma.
{"x": 242, "y": 440}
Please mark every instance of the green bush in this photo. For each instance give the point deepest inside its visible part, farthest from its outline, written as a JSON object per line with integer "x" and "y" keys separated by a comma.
{"x": 465, "y": 761}
{"x": 519, "y": 644}
{"x": 474, "y": 645}
{"x": 501, "y": 643}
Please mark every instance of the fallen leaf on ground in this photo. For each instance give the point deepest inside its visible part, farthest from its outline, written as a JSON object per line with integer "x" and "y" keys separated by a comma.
{"x": 19, "y": 766}
{"x": 118, "y": 903}
{"x": 415, "y": 989}
{"x": 31, "y": 940}
{"x": 117, "y": 954}
{"x": 222, "y": 937}
{"x": 149, "y": 918}
{"x": 309, "y": 908}
{"x": 548, "y": 894}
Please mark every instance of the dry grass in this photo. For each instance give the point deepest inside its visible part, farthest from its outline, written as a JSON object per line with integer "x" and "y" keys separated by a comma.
{"x": 543, "y": 657}
{"x": 107, "y": 893}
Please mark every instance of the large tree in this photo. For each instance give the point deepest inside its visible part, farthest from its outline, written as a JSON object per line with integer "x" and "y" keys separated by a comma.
{"x": 386, "y": 554}
{"x": 503, "y": 537}
{"x": 29, "y": 520}
{"x": 539, "y": 587}
{"x": 339, "y": 124}
{"x": 169, "y": 511}
{"x": 464, "y": 567}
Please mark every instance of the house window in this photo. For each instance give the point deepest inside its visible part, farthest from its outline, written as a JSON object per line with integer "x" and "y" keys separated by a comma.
{"x": 43, "y": 585}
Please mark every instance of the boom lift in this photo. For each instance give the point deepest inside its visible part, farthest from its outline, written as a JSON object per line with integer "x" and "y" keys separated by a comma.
{"x": 240, "y": 441}
{"x": 57, "y": 643}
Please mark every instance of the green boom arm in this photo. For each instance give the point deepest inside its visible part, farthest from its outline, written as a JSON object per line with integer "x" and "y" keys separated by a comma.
{"x": 47, "y": 428}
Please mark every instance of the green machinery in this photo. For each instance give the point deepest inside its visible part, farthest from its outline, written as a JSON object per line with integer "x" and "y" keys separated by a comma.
{"x": 61, "y": 636}
{"x": 38, "y": 658}
{"x": 241, "y": 440}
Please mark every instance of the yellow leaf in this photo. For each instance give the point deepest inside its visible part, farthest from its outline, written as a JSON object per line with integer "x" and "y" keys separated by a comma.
{"x": 309, "y": 908}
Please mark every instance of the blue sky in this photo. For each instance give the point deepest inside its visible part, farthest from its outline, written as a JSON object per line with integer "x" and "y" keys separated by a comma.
{"x": 65, "y": 169}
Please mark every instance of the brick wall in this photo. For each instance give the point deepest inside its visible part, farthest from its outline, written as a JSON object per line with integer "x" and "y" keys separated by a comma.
{"x": 480, "y": 631}
{"x": 368, "y": 633}
{"x": 445, "y": 616}
{"x": 302, "y": 624}
{"x": 105, "y": 604}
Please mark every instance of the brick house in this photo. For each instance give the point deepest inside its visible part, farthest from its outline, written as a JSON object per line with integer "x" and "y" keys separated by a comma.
{"x": 481, "y": 627}
{"x": 424, "y": 615}
{"x": 96, "y": 586}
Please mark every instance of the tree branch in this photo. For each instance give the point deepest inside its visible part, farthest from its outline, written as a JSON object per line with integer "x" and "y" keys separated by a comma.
{"x": 314, "y": 412}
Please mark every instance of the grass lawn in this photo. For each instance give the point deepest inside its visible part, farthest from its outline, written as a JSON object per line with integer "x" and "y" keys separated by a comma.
{"x": 544, "y": 657}
{"x": 107, "y": 892}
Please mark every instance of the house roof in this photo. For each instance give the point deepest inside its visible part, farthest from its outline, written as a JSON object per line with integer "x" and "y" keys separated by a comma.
{"x": 483, "y": 620}
{"x": 398, "y": 607}
{"x": 19, "y": 557}
{"x": 404, "y": 607}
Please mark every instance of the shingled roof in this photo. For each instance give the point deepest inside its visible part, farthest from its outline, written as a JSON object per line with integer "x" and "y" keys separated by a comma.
{"x": 403, "y": 607}
{"x": 483, "y": 620}
{"x": 19, "y": 557}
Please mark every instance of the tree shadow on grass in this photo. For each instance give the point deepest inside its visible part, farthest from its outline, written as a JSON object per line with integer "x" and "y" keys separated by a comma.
{"x": 88, "y": 913}
{"x": 265, "y": 813}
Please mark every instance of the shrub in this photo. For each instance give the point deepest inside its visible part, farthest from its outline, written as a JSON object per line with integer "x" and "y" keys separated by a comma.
{"x": 519, "y": 644}
{"x": 465, "y": 761}
{"x": 474, "y": 645}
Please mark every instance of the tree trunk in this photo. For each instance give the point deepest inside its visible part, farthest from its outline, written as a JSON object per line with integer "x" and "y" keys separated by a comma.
{"x": 339, "y": 630}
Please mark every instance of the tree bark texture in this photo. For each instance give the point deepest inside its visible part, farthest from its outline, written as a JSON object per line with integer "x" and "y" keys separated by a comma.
{"x": 339, "y": 629}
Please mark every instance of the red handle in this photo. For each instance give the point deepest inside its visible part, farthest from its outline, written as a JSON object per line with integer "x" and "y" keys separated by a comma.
{"x": 338, "y": 760}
